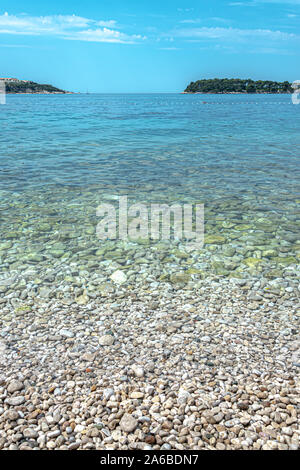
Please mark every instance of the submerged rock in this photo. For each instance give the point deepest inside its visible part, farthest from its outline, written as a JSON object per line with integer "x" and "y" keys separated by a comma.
{"x": 252, "y": 262}
{"x": 82, "y": 299}
{"x": 180, "y": 278}
{"x": 214, "y": 240}
{"x": 119, "y": 277}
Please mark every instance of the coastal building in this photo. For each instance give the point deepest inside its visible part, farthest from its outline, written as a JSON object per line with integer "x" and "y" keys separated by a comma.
{"x": 10, "y": 79}
{"x": 13, "y": 80}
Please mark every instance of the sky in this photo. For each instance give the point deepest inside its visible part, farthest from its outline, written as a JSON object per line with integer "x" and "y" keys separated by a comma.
{"x": 138, "y": 46}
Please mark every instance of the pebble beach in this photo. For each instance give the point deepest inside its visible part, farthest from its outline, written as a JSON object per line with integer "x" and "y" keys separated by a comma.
{"x": 209, "y": 367}
{"x": 147, "y": 345}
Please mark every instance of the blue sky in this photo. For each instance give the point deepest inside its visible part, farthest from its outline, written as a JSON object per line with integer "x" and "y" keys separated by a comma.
{"x": 140, "y": 46}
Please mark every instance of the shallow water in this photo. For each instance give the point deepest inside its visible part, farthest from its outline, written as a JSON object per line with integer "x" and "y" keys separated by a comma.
{"x": 61, "y": 156}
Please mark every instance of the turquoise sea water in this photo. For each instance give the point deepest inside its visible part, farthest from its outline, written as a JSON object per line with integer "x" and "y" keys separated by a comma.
{"x": 61, "y": 156}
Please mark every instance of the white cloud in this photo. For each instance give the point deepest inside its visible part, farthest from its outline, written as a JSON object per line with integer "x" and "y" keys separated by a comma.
{"x": 191, "y": 21}
{"x": 241, "y": 4}
{"x": 252, "y": 3}
{"x": 65, "y": 27}
{"x": 201, "y": 20}
{"x": 234, "y": 34}
{"x": 103, "y": 35}
{"x": 291, "y": 2}
{"x": 169, "y": 49}
{"x": 185, "y": 10}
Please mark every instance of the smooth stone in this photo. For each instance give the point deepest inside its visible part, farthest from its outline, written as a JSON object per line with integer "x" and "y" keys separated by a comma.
{"x": 15, "y": 401}
{"x": 15, "y": 386}
{"x": 106, "y": 340}
{"x": 108, "y": 392}
{"x": 136, "y": 395}
{"x": 30, "y": 433}
{"x": 128, "y": 423}
{"x": 138, "y": 371}
{"x": 12, "y": 415}
{"x": 66, "y": 333}
{"x": 206, "y": 339}
{"x": 79, "y": 428}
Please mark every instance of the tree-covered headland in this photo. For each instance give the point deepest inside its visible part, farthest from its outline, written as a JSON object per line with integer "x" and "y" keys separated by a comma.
{"x": 15, "y": 86}
{"x": 237, "y": 85}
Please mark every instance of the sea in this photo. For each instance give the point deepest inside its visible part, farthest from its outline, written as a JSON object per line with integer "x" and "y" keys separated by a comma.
{"x": 63, "y": 156}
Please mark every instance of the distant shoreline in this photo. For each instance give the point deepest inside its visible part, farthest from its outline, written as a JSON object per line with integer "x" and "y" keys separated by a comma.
{"x": 43, "y": 93}
{"x": 145, "y": 93}
{"x": 231, "y": 93}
